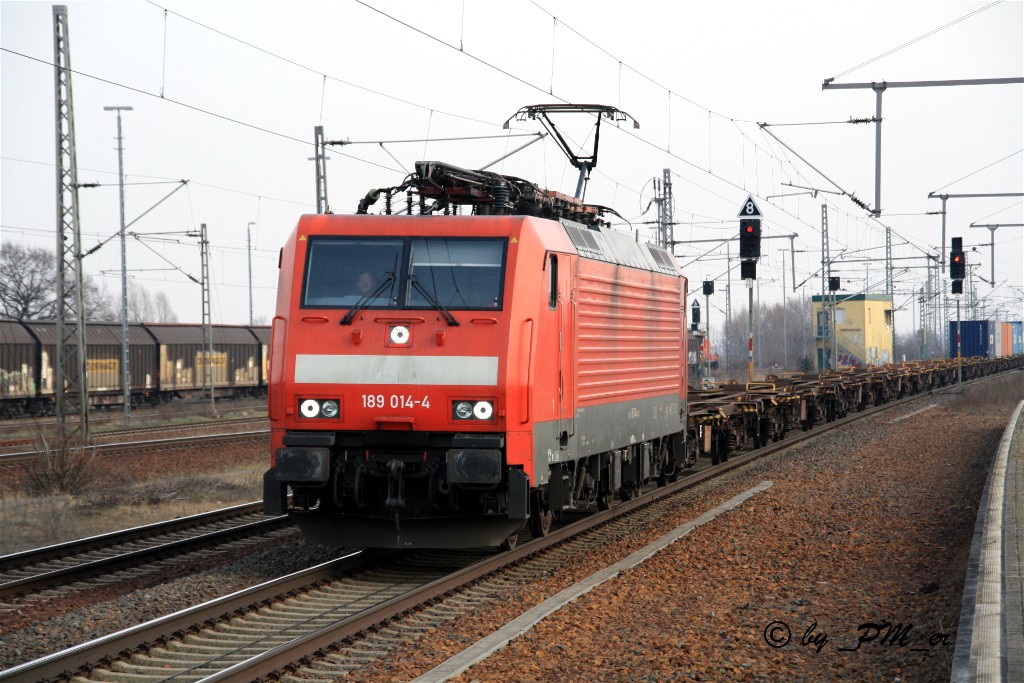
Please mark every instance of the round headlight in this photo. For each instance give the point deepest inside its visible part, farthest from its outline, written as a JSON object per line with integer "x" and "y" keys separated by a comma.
{"x": 483, "y": 410}
{"x": 329, "y": 408}
{"x": 463, "y": 410}
{"x": 399, "y": 334}
{"x": 310, "y": 408}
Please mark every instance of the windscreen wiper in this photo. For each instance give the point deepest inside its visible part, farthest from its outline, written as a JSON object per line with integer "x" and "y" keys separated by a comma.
{"x": 361, "y": 304}
{"x": 449, "y": 318}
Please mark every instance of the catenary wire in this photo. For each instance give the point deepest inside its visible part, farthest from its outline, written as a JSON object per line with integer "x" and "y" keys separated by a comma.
{"x": 192, "y": 107}
{"x": 915, "y": 40}
{"x": 997, "y": 161}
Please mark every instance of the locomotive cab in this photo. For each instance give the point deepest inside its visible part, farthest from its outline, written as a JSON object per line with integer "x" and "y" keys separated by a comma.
{"x": 389, "y": 393}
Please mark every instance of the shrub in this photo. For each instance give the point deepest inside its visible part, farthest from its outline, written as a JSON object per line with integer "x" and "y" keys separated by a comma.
{"x": 64, "y": 466}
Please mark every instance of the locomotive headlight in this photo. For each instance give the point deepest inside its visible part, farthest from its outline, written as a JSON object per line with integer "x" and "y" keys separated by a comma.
{"x": 483, "y": 410}
{"x": 472, "y": 410}
{"x": 320, "y": 408}
{"x": 399, "y": 334}
{"x": 329, "y": 408}
{"x": 309, "y": 408}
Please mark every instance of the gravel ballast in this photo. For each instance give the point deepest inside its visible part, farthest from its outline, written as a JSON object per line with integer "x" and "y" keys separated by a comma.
{"x": 850, "y": 567}
{"x": 868, "y": 525}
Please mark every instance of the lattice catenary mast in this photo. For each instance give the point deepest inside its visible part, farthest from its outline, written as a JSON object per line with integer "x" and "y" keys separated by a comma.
{"x": 70, "y": 379}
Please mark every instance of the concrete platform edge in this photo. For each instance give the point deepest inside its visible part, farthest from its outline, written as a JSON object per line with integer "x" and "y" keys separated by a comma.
{"x": 983, "y": 639}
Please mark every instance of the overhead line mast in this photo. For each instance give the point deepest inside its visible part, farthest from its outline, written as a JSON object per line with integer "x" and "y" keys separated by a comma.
{"x": 880, "y": 88}
{"x": 71, "y": 390}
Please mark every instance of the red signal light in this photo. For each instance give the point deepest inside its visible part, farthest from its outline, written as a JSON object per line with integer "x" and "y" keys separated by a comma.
{"x": 750, "y": 238}
{"x": 957, "y": 258}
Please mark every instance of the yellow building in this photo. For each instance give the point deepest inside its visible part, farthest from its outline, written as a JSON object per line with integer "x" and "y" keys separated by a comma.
{"x": 863, "y": 331}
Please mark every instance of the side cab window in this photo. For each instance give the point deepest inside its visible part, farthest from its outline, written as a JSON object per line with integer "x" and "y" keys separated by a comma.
{"x": 552, "y": 280}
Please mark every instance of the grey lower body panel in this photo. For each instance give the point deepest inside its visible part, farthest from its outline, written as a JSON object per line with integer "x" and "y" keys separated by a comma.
{"x": 604, "y": 428}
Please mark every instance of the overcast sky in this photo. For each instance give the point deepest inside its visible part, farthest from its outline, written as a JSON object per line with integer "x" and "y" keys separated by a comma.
{"x": 226, "y": 95}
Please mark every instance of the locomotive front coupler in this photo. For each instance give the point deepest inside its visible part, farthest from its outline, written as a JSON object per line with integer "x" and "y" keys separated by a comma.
{"x": 396, "y": 485}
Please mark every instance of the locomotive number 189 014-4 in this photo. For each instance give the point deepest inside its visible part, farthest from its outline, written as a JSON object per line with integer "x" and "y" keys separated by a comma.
{"x": 394, "y": 401}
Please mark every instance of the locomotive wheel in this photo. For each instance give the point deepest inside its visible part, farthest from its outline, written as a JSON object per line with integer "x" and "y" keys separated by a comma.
{"x": 629, "y": 492}
{"x": 540, "y": 516}
{"x": 604, "y": 501}
{"x": 511, "y": 542}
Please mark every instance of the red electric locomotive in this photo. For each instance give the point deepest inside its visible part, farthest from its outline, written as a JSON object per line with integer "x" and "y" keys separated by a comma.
{"x": 443, "y": 380}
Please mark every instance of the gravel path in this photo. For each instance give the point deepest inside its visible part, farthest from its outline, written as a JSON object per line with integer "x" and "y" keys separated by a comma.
{"x": 871, "y": 525}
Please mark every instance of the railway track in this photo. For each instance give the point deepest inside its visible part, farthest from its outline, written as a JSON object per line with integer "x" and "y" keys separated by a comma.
{"x": 113, "y": 415}
{"x": 44, "y": 573}
{"x": 314, "y": 616}
{"x": 108, "y": 436}
{"x": 18, "y": 438}
{"x": 8, "y": 459}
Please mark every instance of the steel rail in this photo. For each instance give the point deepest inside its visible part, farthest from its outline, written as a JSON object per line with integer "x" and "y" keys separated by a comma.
{"x": 179, "y": 427}
{"x": 188, "y": 408}
{"x": 83, "y": 545}
{"x": 155, "y": 444}
{"x": 66, "y": 662}
{"x": 105, "y": 565}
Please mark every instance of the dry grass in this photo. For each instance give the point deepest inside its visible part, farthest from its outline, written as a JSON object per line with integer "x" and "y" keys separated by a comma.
{"x": 28, "y": 521}
{"x": 1000, "y": 393}
{"x": 76, "y": 492}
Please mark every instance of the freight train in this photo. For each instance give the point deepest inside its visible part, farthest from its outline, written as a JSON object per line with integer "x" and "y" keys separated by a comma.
{"x": 165, "y": 362}
{"x": 445, "y": 380}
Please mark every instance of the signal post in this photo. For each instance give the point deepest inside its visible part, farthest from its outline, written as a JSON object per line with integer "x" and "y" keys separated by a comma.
{"x": 750, "y": 250}
{"x": 709, "y": 289}
{"x": 957, "y": 272}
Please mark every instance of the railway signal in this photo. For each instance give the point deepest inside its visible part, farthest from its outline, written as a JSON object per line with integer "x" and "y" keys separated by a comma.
{"x": 957, "y": 262}
{"x": 750, "y": 238}
{"x": 695, "y": 315}
{"x": 750, "y": 229}
{"x": 833, "y": 284}
{"x": 750, "y": 251}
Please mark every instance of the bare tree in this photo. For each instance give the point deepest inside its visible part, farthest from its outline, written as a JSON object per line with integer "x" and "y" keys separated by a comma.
{"x": 144, "y": 307}
{"x": 774, "y": 354}
{"x": 28, "y": 282}
{"x": 140, "y": 304}
{"x": 164, "y": 312}
{"x": 99, "y": 305}
{"x": 28, "y": 286}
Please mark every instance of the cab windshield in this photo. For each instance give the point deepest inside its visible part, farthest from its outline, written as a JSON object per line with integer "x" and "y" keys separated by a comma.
{"x": 459, "y": 273}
